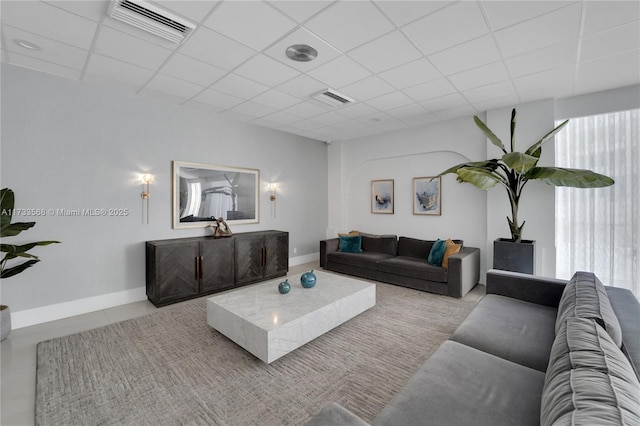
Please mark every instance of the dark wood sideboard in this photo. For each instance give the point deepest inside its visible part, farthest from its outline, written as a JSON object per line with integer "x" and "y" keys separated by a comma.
{"x": 184, "y": 268}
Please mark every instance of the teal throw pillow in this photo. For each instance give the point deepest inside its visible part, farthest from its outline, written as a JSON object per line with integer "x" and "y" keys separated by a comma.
{"x": 437, "y": 252}
{"x": 351, "y": 244}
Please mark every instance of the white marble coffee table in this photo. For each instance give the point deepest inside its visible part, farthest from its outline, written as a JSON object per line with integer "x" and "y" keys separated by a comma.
{"x": 269, "y": 324}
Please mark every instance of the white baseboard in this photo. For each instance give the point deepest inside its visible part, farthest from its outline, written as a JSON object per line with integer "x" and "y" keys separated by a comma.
{"x": 72, "y": 308}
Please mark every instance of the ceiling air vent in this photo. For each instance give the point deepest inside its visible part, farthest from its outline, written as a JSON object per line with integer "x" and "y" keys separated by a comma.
{"x": 332, "y": 98}
{"x": 152, "y": 19}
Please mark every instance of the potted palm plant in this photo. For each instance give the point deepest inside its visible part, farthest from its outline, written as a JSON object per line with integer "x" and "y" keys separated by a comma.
{"x": 8, "y": 229}
{"x": 512, "y": 171}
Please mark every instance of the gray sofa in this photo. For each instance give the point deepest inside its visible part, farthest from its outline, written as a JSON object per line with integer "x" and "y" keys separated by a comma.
{"x": 533, "y": 351}
{"x": 403, "y": 261}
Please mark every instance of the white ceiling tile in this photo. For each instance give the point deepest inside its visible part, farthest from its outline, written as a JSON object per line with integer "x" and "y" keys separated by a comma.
{"x": 447, "y": 27}
{"x": 307, "y": 109}
{"x": 302, "y": 86}
{"x": 265, "y": 70}
{"x": 340, "y": 72}
{"x": 43, "y": 19}
{"x": 368, "y": 88}
{"x": 408, "y": 111}
{"x": 356, "y": 110}
{"x": 93, "y": 10}
{"x": 300, "y": 11}
{"x": 491, "y": 91}
{"x": 546, "y": 82}
{"x": 326, "y": 52}
{"x": 193, "y": 10}
{"x": 202, "y": 106}
{"x": 505, "y": 13}
{"x": 255, "y": 24}
{"x": 276, "y": 99}
{"x": 44, "y": 66}
{"x": 192, "y": 70}
{"x": 349, "y": 24}
{"x": 239, "y": 86}
{"x": 232, "y": 115}
{"x": 472, "y": 54}
{"x": 456, "y": 112}
{"x": 138, "y": 33}
{"x": 416, "y": 72}
{"x": 556, "y": 56}
{"x": 130, "y": 49}
{"x": 389, "y": 101}
{"x": 173, "y": 86}
{"x": 215, "y": 49}
{"x": 51, "y": 50}
{"x": 611, "y": 42}
{"x": 218, "y": 99}
{"x": 508, "y": 101}
{"x": 306, "y": 125}
{"x": 108, "y": 68}
{"x": 388, "y": 51}
{"x": 253, "y": 109}
{"x": 453, "y": 100}
{"x": 265, "y": 123}
{"x": 282, "y": 118}
{"x": 430, "y": 90}
{"x": 553, "y": 28}
{"x": 597, "y": 75}
{"x": 481, "y": 76}
{"x": 329, "y": 118}
{"x": 162, "y": 95}
{"x": 602, "y": 15}
{"x": 402, "y": 12}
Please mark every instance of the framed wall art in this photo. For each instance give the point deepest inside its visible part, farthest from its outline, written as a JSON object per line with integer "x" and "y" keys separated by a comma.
{"x": 382, "y": 196}
{"x": 427, "y": 196}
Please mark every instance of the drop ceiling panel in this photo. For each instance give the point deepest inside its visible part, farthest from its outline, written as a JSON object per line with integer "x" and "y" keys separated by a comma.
{"x": 427, "y": 33}
{"x": 555, "y": 79}
{"x": 265, "y": 70}
{"x": 44, "y": 66}
{"x": 611, "y": 42}
{"x": 298, "y": 10}
{"x": 349, "y": 24}
{"x": 506, "y": 13}
{"x": 282, "y": 118}
{"x": 490, "y": 91}
{"x": 218, "y": 99}
{"x": 255, "y": 24}
{"x": 253, "y": 109}
{"x": 603, "y": 15}
{"x": 127, "y": 48}
{"x": 276, "y": 99}
{"x": 340, "y": 72}
{"x": 302, "y": 86}
{"x": 326, "y": 52}
{"x": 93, "y": 10}
{"x": 390, "y": 101}
{"x": 216, "y": 49}
{"x": 486, "y": 74}
{"x": 192, "y": 70}
{"x": 173, "y": 86}
{"x": 239, "y": 86}
{"x": 408, "y": 111}
{"x": 453, "y": 100}
{"x": 368, "y": 88}
{"x": 596, "y": 75}
{"x": 430, "y": 90}
{"x": 411, "y": 74}
{"x": 471, "y": 54}
{"x": 108, "y": 68}
{"x": 545, "y": 59}
{"x": 397, "y": 51}
{"x": 193, "y": 10}
{"x": 401, "y": 12}
{"x": 307, "y": 109}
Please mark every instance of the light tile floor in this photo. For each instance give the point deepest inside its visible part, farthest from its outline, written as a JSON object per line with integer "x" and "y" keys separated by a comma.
{"x": 18, "y": 353}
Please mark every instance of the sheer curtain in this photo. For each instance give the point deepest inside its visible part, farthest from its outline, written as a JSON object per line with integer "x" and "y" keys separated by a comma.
{"x": 597, "y": 230}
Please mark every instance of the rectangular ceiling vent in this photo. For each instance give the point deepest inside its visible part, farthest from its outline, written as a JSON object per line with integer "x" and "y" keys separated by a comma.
{"x": 152, "y": 19}
{"x": 332, "y": 98}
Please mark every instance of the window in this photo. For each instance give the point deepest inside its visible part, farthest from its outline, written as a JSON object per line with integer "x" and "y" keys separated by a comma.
{"x": 597, "y": 230}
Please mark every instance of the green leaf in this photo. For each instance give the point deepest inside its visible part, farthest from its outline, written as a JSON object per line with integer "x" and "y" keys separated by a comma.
{"x": 489, "y": 134}
{"x": 480, "y": 178}
{"x": 575, "y": 178}
{"x": 536, "y": 149}
{"x": 520, "y": 162}
{"x": 15, "y": 270}
{"x": 489, "y": 165}
{"x": 6, "y": 206}
{"x": 16, "y": 250}
{"x": 13, "y": 229}
{"x": 513, "y": 129}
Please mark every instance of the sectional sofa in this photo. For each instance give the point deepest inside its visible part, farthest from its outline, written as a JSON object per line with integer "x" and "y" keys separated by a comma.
{"x": 403, "y": 261}
{"x": 533, "y": 351}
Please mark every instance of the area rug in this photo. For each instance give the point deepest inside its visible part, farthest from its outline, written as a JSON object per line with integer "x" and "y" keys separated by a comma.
{"x": 172, "y": 368}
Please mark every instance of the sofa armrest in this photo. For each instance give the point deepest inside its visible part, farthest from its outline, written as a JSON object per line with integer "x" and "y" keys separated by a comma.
{"x": 335, "y": 414}
{"x": 464, "y": 271}
{"x": 327, "y": 246}
{"x": 530, "y": 288}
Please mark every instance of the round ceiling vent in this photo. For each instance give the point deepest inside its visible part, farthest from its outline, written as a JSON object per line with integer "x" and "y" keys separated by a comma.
{"x": 301, "y": 53}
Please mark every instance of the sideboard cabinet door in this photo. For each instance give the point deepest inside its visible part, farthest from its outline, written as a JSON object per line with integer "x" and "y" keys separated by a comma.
{"x": 249, "y": 257}
{"x": 217, "y": 265}
{"x": 171, "y": 272}
{"x": 276, "y": 254}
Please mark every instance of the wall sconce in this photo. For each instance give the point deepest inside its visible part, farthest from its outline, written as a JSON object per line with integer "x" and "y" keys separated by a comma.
{"x": 146, "y": 180}
{"x": 274, "y": 192}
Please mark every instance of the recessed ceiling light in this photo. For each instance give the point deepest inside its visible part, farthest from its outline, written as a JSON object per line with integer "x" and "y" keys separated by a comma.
{"x": 26, "y": 44}
{"x": 301, "y": 53}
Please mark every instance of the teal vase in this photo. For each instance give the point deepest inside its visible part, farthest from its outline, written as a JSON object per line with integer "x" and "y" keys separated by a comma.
{"x": 284, "y": 287}
{"x": 308, "y": 279}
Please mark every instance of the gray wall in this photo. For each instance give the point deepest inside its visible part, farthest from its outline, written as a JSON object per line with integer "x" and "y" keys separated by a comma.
{"x": 75, "y": 145}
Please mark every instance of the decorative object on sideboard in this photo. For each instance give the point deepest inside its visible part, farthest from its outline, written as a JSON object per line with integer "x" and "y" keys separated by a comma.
{"x": 146, "y": 194}
{"x": 221, "y": 230}
{"x": 8, "y": 229}
{"x": 427, "y": 196}
{"x": 284, "y": 287}
{"x": 382, "y": 196}
{"x": 514, "y": 169}
{"x": 308, "y": 279}
{"x": 203, "y": 192}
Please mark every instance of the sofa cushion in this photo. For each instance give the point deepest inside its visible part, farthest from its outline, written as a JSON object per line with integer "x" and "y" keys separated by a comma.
{"x": 386, "y": 244}
{"x": 589, "y": 380}
{"x": 367, "y": 260}
{"x": 584, "y": 296}
{"x": 436, "y": 254}
{"x": 414, "y": 268}
{"x": 350, "y": 244}
{"x": 512, "y": 329}
{"x": 460, "y": 385}
{"x": 413, "y": 247}
{"x": 451, "y": 248}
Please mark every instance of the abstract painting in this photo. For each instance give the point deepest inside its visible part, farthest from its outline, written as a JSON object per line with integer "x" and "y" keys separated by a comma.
{"x": 427, "y": 196}
{"x": 382, "y": 196}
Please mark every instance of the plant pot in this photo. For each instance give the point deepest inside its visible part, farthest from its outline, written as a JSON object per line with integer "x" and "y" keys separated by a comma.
{"x": 5, "y": 322}
{"x": 514, "y": 257}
